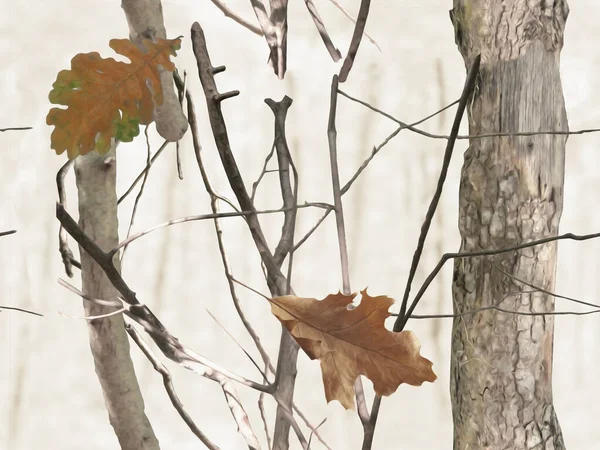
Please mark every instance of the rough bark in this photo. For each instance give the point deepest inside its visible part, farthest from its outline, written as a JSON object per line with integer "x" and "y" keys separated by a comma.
{"x": 511, "y": 191}
{"x": 95, "y": 176}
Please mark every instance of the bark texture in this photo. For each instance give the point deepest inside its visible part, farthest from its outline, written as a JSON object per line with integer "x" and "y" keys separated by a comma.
{"x": 96, "y": 175}
{"x": 511, "y": 191}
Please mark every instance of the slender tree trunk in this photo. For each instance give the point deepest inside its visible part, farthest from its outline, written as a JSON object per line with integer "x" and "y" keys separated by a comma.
{"x": 95, "y": 175}
{"x": 511, "y": 191}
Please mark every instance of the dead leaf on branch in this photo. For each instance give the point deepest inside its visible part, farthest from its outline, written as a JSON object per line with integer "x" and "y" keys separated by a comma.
{"x": 106, "y": 98}
{"x": 353, "y": 342}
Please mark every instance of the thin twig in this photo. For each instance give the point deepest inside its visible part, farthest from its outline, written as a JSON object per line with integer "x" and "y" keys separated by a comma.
{"x": 447, "y": 256}
{"x": 331, "y": 48}
{"x": 117, "y": 303}
{"x": 274, "y": 28}
{"x": 168, "y": 383}
{"x": 362, "y": 167}
{"x": 215, "y": 208}
{"x": 507, "y": 311}
{"x": 236, "y": 18}
{"x": 66, "y": 254}
{"x": 15, "y": 129}
{"x": 353, "y": 19}
{"x": 263, "y": 417}
{"x": 138, "y": 197}
{"x": 277, "y": 282}
{"x": 335, "y": 182}
{"x": 264, "y": 375}
{"x": 240, "y": 346}
{"x": 7, "y": 233}
{"x": 465, "y": 136}
{"x": 272, "y": 369}
{"x": 263, "y": 172}
{"x": 169, "y": 345}
{"x": 363, "y": 412}
{"x": 142, "y": 174}
{"x": 464, "y": 98}
{"x": 213, "y": 100}
{"x": 543, "y": 291}
{"x": 95, "y": 317}
{"x": 369, "y": 429}
{"x": 313, "y": 432}
{"x": 359, "y": 30}
{"x": 288, "y": 194}
{"x": 496, "y": 307}
{"x": 376, "y": 150}
{"x": 220, "y": 215}
{"x": 181, "y": 99}
{"x": 14, "y": 308}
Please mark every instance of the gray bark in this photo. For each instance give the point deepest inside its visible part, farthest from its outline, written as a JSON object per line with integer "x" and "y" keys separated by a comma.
{"x": 511, "y": 192}
{"x": 95, "y": 175}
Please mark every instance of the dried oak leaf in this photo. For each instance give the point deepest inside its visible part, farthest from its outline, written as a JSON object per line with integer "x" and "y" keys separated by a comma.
{"x": 106, "y": 98}
{"x": 353, "y": 342}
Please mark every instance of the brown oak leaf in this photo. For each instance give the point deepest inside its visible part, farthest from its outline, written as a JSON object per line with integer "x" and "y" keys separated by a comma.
{"x": 353, "y": 342}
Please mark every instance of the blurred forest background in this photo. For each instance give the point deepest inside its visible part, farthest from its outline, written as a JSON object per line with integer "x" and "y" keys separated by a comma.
{"x": 51, "y": 398}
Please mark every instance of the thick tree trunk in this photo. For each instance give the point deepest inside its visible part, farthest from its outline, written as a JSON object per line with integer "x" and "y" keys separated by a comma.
{"x": 511, "y": 191}
{"x": 96, "y": 176}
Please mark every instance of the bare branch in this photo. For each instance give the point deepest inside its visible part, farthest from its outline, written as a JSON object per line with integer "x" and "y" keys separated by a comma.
{"x": 359, "y": 30}
{"x": 14, "y": 308}
{"x": 138, "y": 197}
{"x": 263, "y": 417}
{"x": 497, "y": 308}
{"x": 274, "y": 29}
{"x": 362, "y": 167}
{"x": 335, "y": 182}
{"x": 117, "y": 303}
{"x": 288, "y": 194}
{"x": 219, "y": 215}
{"x": 7, "y": 233}
{"x": 544, "y": 291}
{"x": 237, "y": 18}
{"x": 464, "y": 98}
{"x": 276, "y": 279}
{"x": 376, "y": 150}
{"x": 168, "y": 383}
{"x": 447, "y": 256}
{"x": 15, "y": 129}
{"x": 369, "y": 429}
{"x": 181, "y": 99}
{"x": 363, "y": 412}
{"x": 331, "y": 48}
{"x": 263, "y": 172}
{"x": 215, "y": 208}
{"x": 232, "y": 337}
{"x": 96, "y": 316}
{"x": 168, "y": 344}
{"x": 353, "y": 19}
{"x": 464, "y": 136}
{"x": 277, "y": 282}
{"x": 66, "y": 254}
{"x": 142, "y": 174}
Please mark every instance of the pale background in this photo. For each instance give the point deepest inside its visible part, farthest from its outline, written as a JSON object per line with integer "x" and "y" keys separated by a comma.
{"x": 50, "y": 398}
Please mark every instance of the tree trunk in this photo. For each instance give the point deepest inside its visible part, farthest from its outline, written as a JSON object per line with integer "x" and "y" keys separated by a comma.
{"x": 511, "y": 192}
{"x": 96, "y": 176}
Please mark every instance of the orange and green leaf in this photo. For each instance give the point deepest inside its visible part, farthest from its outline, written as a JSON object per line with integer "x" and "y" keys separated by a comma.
{"x": 107, "y": 99}
{"x": 353, "y": 342}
